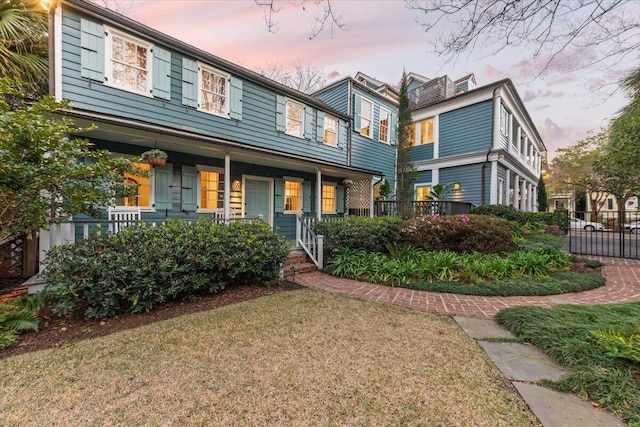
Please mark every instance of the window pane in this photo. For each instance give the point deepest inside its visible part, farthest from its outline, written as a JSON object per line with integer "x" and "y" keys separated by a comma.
{"x": 328, "y": 198}
{"x": 422, "y": 193}
{"x": 141, "y": 197}
{"x": 211, "y": 190}
{"x": 292, "y": 196}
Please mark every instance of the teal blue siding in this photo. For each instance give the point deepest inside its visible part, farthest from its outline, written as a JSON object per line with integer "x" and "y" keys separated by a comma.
{"x": 337, "y": 97}
{"x": 414, "y": 84}
{"x": 463, "y": 86}
{"x": 256, "y": 126}
{"x": 424, "y": 177}
{"x": 422, "y": 152}
{"x": 470, "y": 179}
{"x": 466, "y": 130}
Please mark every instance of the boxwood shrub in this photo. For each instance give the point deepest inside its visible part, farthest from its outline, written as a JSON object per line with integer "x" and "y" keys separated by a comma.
{"x": 461, "y": 233}
{"x": 559, "y": 218}
{"x": 143, "y": 266}
{"x": 357, "y": 232}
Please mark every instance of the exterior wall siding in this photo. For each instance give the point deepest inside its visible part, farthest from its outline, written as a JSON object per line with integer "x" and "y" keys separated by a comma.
{"x": 470, "y": 179}
{"x": 466, "y": 130}
{"x": 257, "y": 126}
{"x": 337, "y": 97}
{"x": 424, "y": 177}
{"x": 422, "y": 152}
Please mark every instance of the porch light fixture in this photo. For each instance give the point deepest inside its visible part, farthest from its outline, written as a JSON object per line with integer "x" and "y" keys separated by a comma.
{"x": 347, "y": 183}
{"x": 236, "y": 185}
{"x": 456, "y": 186}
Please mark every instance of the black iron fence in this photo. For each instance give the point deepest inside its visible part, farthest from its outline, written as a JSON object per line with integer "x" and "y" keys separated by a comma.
{"x": 412, "y": 209}
{"x": 605, "y": 233}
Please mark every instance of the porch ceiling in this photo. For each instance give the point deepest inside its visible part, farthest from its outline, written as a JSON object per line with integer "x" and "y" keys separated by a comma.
{"x": 186, "y": 141}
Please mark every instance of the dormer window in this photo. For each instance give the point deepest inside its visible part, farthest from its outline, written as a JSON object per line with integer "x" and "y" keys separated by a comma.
{"x": 128, "y": 62}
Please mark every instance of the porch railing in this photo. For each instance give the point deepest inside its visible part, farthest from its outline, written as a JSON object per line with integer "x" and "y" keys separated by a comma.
{"x": 413, "y": 208}
{"x": 307, "y": 239}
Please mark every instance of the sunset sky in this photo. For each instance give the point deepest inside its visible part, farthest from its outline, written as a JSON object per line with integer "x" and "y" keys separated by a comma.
{"x": 383, "y": 37}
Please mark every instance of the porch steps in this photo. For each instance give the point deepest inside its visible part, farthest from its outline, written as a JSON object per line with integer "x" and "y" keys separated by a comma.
{"x": 297, "y": 263}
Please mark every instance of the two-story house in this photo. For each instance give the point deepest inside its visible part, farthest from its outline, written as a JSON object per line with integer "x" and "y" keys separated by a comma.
{"x": 238, "y": 143}
{"x": 479, "y": 141}
{"x": 372, "y": 107}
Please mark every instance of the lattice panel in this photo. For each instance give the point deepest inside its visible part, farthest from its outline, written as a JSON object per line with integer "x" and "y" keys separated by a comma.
{"x": 359, "y": 195}
{"x": 11, "y": 258}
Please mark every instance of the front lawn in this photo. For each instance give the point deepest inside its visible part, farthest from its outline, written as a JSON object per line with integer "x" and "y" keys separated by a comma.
{"x": 565, "y": 333}
{"x": 294, "y": 358}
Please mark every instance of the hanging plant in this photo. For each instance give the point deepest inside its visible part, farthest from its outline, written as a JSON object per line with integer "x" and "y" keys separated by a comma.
{"x": 155, "y": 157}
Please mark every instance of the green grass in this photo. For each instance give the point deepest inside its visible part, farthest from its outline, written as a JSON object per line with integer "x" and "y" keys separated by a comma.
{"x": 564, "y": 332}
{"x": 555, "y": 284}
{"x": 536, "y": 241}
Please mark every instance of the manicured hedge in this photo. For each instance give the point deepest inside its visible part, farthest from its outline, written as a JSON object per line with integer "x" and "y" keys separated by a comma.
{"x": 559, "y": 218}
{"x": 143, "y": 266}
{"x": 357, "y": 232}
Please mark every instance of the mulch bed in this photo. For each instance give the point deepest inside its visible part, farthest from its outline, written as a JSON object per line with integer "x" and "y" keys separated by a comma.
{"x": 57, "y": 331}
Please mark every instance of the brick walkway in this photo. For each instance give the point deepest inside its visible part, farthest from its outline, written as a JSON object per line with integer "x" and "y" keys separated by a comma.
{"x": 623, "y": 285}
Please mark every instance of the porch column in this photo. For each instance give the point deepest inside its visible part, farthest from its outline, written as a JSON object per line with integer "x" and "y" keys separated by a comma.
{"x": 496, "y": 122}
{"x": 516, "y": 191}
{"x": 523, "y": 195}
{"x": 371, "y": 198}
{"x": 493, "y": 186}
{"x": 519, "y": 141}
{"x": 534, "y": 199}
{"x": 529, "y": 197}
{"x": 227, "y": 186}
{"x": 507, "y": 184}
{"x": 510, "y": 136}
{"x": 319, "y": 194}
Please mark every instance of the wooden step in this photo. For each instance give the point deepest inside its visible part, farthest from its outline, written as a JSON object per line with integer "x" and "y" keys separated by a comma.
{"x": 306, "y": 267}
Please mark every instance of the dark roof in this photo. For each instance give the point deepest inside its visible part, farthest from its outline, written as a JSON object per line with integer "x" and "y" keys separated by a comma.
{"x": 360, "y": 85}
{"x": 142, "y": 30}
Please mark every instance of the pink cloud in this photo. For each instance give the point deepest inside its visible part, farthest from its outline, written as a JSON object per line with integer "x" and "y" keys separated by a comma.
{"x": 332, "y": 75}
{"x": 530, "y": 95}
{"x": 491, "y": 71}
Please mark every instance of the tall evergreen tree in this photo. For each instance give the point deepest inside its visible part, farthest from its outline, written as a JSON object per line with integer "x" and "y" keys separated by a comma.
{"x": 405, "y": 171}
{"x": 542, "y": 195}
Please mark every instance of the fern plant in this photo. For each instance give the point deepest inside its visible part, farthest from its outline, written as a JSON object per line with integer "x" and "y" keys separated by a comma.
{"x": 16, "y": 317}
{"x": 624, "y": 344}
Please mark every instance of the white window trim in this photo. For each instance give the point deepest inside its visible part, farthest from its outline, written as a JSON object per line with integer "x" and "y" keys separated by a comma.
{"x": 335, "y": 119}
{"x": 206, "y": 168}
{"x": 286, "y": 117}
{"x": 335, "y": 197}
{"x": 388, "y": 125}
{"x": 205, "y": 67}
{"x": 422, "y": 184}
{"x": 284, "y": 197}
{"x": 152, "y": 181}
{"x": 108, "y": 67}
{"x": 363, "y": 99}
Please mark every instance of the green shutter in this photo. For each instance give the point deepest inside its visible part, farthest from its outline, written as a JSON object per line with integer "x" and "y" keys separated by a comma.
{"x": 235, "y": 106}
{"x": 307, "y": 198}
{"x": 189, "y": 82}
{"x": 308, "y": 122}
{"x": 91, "y": 50}
{"x": 357, "y": 105}
{"x": 279, "y": 195}
{"x": 162, "y": 181}
{"x": 394, "y": 128}
{"x": 340, "y": 199}
{"x": 161, "y": 73}
{"x": 320, "y": 127}
{"x": 189, "y": 186}
{"x": 281, "y": 113}
{"x": 342, "y": 133}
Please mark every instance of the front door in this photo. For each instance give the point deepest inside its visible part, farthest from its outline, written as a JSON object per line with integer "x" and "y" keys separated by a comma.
{"x": 257, "y": 198}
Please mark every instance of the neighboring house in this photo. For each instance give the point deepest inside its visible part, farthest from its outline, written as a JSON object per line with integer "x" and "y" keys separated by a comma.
{"x": 239, "y": 144}
{"x": 373, "y": 110}
{"x": 479, "y": 140}
{"x": 609, "y": 205}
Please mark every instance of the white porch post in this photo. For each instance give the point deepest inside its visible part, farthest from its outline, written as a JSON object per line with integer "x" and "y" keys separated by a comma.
{"x": 319, "y": 194}
{"x": 508, "y": 187}
{"x": 227, "y": 186}
{"x": 534, "y": 199}
{"x": 510, "y": 136}
{"x": 529, "y": 197}
{"x": 371, "y": 199}
{"x": 493, "y": 192}
{"x": 496, "y": 122}
{"x": 519, "y": 140}
{"x": 523, "y": 195}
{"x": 516, "y": 191}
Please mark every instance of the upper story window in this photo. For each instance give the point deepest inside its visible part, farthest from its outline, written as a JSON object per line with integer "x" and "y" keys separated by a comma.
{"x": 211, "y": 189}
{"x": 366, "y": 117}
{"x": 128, "y": 62}
{"x": 141, "y": 196}
{"x": 385, "y": 124}
{"x": 504, "y": 120}
{"x": 295, "y": 118}
{"x": 292, "y": 195}
{"x": 329, "y": 198}
{"x": 213, "y": 93}
{"x": 426, "y": 131}
{"x": 330, "y": 131}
